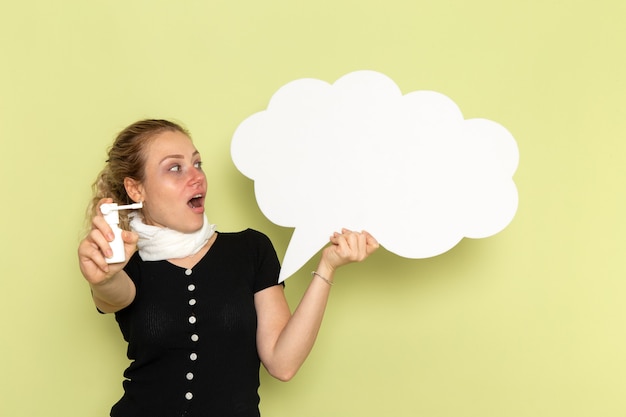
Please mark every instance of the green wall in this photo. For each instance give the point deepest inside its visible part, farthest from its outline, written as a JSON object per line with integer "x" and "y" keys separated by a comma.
{"x": 529, "y": 322}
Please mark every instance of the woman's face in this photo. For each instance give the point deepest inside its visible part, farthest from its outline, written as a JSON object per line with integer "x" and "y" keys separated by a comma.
{"x": 174, "y": 188}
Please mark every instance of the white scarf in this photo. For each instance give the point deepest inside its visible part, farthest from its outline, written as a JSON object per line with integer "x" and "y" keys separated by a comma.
{"x": 160, "y": 243}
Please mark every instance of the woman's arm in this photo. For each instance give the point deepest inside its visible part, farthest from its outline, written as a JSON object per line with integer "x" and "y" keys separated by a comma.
{"x": 285, "y": 340}
{"x": 112, "y": 289}
{"x": 113, "y": 294}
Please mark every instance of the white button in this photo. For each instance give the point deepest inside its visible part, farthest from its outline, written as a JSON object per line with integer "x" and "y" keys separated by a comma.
{"x": 193, "y": 356}
{"x": 194, "y": 337}
{"x": 188, "y": 272}
{"x": 189, "y": 395}
{"x": 192, "y": 319}
{"x": 189, "y": 376}
{"x": 191, "y": 287}
{"x": 192, "y": 302}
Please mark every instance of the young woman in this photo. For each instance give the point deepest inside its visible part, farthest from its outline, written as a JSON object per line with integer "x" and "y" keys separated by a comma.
{"x": 200, "y": 310}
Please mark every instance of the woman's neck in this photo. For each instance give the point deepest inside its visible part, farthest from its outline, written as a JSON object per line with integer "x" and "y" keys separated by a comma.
{"x": 191, "y": 261}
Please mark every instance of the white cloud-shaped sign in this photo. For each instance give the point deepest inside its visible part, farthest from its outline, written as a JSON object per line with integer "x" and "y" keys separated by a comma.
{"x": 358, "y": 154}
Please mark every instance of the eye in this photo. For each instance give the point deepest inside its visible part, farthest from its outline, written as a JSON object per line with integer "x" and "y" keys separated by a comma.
{"x": 175, "y": 168}
{"x": 198, "y": 164}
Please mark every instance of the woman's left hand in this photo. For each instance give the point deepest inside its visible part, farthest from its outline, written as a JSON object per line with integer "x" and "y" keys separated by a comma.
{"x": 348, "y": 246}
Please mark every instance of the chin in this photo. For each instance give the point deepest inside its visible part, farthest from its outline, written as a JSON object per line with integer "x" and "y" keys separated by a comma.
{"x": 195, "y": 226}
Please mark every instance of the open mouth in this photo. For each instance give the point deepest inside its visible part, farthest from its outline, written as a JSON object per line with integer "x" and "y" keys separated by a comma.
{"x": 196, "y": 201}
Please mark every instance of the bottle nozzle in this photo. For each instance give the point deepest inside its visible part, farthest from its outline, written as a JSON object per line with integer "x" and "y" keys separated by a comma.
{"x": 134, "y": 206}
{"x": 108, "y": 208}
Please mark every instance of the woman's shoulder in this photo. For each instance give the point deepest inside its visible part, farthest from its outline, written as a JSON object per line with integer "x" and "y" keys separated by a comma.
{"x": 246, "y": 235}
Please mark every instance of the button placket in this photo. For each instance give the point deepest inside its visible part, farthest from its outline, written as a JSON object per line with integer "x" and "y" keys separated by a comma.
{"x": 193, "y": 356}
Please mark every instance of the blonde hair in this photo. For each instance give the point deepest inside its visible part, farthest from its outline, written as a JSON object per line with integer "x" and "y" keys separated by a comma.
{"x": 127, "y": 159}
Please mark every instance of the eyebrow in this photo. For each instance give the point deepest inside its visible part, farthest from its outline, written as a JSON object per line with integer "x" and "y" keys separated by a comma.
{"x": 177, "y": 156}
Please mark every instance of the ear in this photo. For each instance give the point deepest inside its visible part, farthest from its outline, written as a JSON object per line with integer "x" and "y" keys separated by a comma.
{"x": 134, "y": 189}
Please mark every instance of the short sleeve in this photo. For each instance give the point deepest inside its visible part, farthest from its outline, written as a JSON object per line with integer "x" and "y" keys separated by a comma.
{"x": 133, "y": 269}
{"x": 267, "y": 264}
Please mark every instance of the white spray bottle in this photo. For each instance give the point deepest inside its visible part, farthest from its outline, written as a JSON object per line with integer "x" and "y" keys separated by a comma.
{"x": 111, "y": 216}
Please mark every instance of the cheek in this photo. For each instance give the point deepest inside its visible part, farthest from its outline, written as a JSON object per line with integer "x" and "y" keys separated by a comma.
{"x": 161, "y": 187}
{"x": 158, "y": 201}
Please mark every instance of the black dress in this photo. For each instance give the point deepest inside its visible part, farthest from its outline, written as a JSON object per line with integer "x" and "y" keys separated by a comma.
{"x": 191, "y": 333}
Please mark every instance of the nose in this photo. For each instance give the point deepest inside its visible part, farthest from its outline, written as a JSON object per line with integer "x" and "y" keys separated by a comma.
{"x": 197, "y": 177}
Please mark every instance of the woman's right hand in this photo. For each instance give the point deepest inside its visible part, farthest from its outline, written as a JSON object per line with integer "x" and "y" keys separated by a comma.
{"x": 94, "y": 248}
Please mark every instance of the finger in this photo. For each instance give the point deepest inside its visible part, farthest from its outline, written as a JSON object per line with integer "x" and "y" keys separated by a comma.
{"x": 90, "y": 255}
{"x": 342, "y": 246}
{"x": 355, "y": 246}
{"x": 371, "y": 242}
{"x": 335, "y": 238}
{"x": 100, "y": 242}
{"x": 130, "y": 238}
{"x": 130, "y": 243}
{"x": 362, "y": 246}
{"x": 98, "y": 223}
